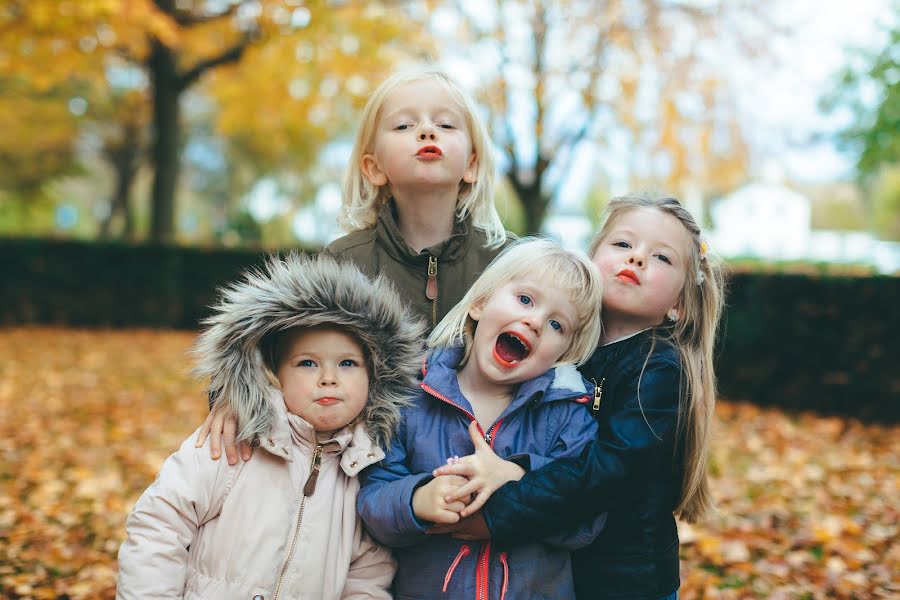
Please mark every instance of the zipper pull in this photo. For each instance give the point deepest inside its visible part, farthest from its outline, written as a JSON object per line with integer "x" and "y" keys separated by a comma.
{"x": 598, "y": 392}
{"x": 487, "y": 437}
{"x": 431, "y": 285}
{"x": 310, "y": 486}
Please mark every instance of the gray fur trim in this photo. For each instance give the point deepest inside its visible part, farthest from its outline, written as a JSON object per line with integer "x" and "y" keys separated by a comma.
{"x": 304, "y": 291}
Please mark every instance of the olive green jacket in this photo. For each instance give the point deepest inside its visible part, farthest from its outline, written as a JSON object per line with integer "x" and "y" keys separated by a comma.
{"x": 431, "y": 281}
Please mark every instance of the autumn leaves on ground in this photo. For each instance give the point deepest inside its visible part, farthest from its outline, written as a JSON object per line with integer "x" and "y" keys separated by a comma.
{"x": 809, "y": 506}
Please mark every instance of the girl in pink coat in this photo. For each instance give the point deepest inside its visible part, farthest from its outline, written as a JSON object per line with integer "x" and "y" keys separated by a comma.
{"x": 315, "y": 359}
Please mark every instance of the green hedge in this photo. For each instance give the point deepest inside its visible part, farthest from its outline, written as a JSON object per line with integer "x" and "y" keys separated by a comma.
{"x": 801, "y": 342}
{"x": 113, "y": 285}
{"x": 831, "y": 344}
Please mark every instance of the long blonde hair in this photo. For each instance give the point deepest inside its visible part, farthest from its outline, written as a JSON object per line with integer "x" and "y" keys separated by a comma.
{"x": 362, "y": 200}
{"x": 694, "y": 335}
{"x": 553, "y": 266}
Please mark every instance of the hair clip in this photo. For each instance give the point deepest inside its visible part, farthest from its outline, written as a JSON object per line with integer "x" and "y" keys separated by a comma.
{"x": 701, "y": 276}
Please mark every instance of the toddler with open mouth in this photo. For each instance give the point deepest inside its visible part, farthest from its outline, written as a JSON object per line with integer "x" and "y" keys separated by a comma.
{"x": 501, "y": 373}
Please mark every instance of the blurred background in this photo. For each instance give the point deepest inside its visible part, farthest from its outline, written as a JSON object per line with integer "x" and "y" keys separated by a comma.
{"x": 221, "y": 122}
{"x": 151, "y": 150}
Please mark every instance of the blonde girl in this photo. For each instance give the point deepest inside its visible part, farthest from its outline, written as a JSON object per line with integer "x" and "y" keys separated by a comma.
{"x": 654, "y": 396}
{"x": 500, "y": 378}
{"x": 418, "y": 200}
{"x": 418, "y": 203}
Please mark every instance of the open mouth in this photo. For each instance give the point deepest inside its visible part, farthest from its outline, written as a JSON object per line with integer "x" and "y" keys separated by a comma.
{"x": 430, "y": 152}
{"x": 510, "y": 349}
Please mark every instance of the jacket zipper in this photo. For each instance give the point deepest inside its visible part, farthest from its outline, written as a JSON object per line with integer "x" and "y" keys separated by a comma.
{"x": 482, "y": 569}
{"x": 482, "y": 575}
{"x": 598, "y": 393}
{"x": 463, "y": 552}
{"x": 505, "y": 575}
{"x": 431, "y": 287}
{"x": 308, "y": 490}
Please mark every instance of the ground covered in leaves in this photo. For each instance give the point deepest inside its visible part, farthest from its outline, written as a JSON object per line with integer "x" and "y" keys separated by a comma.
{"x": 809, "y": 506}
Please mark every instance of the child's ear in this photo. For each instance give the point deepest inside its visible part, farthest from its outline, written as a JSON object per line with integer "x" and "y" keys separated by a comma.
{"x": 471, "y": 173}
{"x": 372, "y": 170}
{"x": 475, "y": 309}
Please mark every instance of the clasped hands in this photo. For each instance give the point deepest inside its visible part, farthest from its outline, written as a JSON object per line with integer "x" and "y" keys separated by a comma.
{"x": 454, "y": 497}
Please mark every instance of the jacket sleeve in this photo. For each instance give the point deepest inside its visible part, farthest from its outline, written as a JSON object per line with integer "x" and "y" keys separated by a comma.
{"x": 372, "y": 569}
{"x": 577, "y": 430}
{"x": 385, "y": 497}
{"x": 630, "y": 444}
{"x": 189, "y": 491}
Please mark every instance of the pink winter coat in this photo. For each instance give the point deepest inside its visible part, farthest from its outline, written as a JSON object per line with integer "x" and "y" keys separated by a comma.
{"x": 206, "y": 529}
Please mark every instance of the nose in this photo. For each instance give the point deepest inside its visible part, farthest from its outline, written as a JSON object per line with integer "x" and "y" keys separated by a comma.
{"x": 636, "y": 258}
{"x": 427, "y": 131}
{"x": 532, "y": 320}
{"x": 327, "y": 377}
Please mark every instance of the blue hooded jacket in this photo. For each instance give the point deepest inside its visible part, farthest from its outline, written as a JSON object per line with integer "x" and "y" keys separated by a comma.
{"x": 548, "y": 418}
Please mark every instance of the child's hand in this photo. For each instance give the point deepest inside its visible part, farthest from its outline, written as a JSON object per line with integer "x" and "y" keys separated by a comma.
{"x": 430, "y": 501}
{"x": 484, "y": 470}
{"x": 221, "y": 424}
{"x": 471, "y": 528}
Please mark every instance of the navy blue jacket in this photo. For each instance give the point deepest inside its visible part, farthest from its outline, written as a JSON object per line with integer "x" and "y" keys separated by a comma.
{"x": 546, "y": 419}
{"x": 632, "y": 470}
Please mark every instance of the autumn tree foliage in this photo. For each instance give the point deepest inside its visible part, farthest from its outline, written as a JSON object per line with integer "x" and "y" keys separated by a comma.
{"x": 288, "y": 73}
{"x": 639, "y": 78}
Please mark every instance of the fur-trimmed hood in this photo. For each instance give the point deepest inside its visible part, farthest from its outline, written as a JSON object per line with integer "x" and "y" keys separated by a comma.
{"x": 305, "y": 291}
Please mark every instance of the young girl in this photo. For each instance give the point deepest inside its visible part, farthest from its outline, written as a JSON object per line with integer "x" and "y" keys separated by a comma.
{"x": 500, "y": 375}
{"x": 316, "y": 359}
{"x": 418, "y": 201}
{"x": 654, "y": 398}
{"x": 419, "y": 191}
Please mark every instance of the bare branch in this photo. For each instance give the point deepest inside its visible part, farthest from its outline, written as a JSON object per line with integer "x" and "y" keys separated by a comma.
{"x": 229, "y": 55}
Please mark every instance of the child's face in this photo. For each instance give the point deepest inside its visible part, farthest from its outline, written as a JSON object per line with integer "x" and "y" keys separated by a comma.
{"x": 524, "y": 327}
{"x": 323, "y": 377}
{"x": 421, "y": 140}
{"x": 642, "y": 264}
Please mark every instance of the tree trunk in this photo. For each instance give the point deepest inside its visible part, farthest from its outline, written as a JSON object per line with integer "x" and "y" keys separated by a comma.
{"x": 533, "y": 199}
{"x": 165, "y": 147}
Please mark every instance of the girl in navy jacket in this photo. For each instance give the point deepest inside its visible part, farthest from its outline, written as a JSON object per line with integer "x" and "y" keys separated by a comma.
{"x": 653, "y": 401}
{"x": 500, "y": 376}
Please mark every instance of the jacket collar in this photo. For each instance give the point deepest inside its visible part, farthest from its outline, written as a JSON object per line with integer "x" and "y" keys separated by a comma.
{"x": 451, "y": 250}
{"x": 291, "y": 432}
{"x": 559, "y": 383}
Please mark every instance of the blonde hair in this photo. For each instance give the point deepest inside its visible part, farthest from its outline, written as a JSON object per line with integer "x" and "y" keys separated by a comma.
{"x": 362, "y": 200}
{"x": 553, "y": 266}
{"x": 693, "y": 334}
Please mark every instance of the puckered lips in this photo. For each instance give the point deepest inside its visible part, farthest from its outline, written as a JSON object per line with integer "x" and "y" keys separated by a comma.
{"x": 510, "y": 349}
{"x": 327, "y": 401}
{"x": 429, "y": 152}
{"x": 628, "y": 276}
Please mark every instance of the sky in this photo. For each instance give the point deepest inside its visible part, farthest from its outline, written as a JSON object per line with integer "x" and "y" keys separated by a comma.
{"x": 781, "y": 104}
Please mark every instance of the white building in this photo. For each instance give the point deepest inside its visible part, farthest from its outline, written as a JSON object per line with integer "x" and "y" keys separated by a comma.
{"x": 762, "y": 219}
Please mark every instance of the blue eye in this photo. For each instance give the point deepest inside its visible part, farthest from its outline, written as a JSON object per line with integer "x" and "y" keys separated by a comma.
{"x": 525, "y": 299}
{"x": 556, "y": 325}
{"x": 447, "y": 126}
{"x": 402, "y": 127}
{"x": 622, "y": 244}
{"x": 348, "y": 362}
{"x": 664, "y": 258}
{"x": 306, "y": 362}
